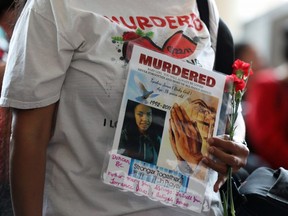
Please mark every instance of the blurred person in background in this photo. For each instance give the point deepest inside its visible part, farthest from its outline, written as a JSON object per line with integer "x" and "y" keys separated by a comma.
{"x": 7, "y": 18}
{"x": 267, "y": 117}
{"x": 247, "y": 52}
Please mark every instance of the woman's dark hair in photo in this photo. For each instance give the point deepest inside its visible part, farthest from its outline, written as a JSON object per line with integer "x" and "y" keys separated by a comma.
{"x": 132, "y": 141}
{"x": 157, "y": 121}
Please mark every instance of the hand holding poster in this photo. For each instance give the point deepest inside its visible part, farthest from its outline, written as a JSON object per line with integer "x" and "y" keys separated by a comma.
{"x": 169, "y": 110}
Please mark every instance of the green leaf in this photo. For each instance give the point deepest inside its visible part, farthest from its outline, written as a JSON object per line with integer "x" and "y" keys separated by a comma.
{"x": 140, "y": 32}
{"x": 150, "y": 34}
{"x": 117, "y": 38}
{"x": 238, "y": 95}
{"x": 239, "y": 73}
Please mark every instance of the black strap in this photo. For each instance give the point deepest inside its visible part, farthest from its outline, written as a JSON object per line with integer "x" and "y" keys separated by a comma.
{"x": 225, "y": 55}
{"x": 225, "y": 45}
{"x": 203, "y": 8}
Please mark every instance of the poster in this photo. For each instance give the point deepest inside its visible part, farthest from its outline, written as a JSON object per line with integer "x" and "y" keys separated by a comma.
{"x": 169, "y": 110}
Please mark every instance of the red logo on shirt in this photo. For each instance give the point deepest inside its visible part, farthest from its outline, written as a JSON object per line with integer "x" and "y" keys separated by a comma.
{"x": 178, "y": 45}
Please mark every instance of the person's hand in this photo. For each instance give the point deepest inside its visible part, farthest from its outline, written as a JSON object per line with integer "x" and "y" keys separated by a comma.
{"x": 226, "y": 153}
{"x": 184, "y": 136}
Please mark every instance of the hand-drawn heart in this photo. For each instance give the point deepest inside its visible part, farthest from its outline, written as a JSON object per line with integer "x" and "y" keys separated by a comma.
{"x": 178, "y": 46}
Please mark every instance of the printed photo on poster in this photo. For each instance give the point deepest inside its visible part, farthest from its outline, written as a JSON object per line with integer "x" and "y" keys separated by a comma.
{"x": 141, "y": 133}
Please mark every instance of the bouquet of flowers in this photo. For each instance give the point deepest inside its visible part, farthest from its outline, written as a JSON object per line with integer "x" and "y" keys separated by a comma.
{"x": 236, "y": 86}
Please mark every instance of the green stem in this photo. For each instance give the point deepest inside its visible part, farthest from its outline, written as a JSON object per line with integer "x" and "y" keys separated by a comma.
{"x": 232, "y": 208}
{"x": 228, "y": 197}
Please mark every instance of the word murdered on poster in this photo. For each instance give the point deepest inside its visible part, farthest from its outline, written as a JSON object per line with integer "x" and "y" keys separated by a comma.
{"x": 167, "y": 83}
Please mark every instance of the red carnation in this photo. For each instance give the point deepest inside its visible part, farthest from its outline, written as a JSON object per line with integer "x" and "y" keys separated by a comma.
{"x": 239, "y": 83}
{"x": 241, "y": 68}
{"x": 235, "y": 86}
{"x": 234, "y": 81}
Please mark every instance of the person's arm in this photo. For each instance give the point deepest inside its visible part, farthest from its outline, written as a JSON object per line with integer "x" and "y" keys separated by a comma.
{"x": 228, "y": 153}
{"x": 31, "y": 131}
{"x": 2, "y": 70}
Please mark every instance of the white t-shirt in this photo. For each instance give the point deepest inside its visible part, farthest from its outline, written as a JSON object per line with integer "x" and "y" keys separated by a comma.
{"x": 71, "y": 51}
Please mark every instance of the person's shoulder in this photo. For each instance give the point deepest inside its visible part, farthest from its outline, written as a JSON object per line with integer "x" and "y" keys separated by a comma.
{"x": 47, "y": 8}
{"x": 264, "y": 76}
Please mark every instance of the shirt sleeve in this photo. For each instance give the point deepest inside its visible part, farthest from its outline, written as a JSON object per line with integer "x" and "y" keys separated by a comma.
{"x": 38, "y": 59}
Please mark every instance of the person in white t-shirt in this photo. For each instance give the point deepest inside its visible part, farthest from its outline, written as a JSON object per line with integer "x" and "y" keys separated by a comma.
{"x": 65, "y": 79}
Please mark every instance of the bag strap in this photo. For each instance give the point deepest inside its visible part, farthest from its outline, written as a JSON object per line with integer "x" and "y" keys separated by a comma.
{"x": 225, "y": 52}
{"x": 224, "y": 56}
{"x": 203, "y": 8}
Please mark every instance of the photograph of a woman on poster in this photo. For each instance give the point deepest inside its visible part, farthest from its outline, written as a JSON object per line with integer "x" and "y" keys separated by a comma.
{"x": 141, "y": 132}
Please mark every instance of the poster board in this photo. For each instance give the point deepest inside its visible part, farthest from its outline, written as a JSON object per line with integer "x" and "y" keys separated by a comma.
{"x": 161, "y": 157}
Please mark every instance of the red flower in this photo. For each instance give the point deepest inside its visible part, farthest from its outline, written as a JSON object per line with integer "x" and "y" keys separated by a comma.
{"x": 235, "y": 86}
{"x": 234, "y": 81}
{"x": 239, "y": 83}
{"x": 241, "y": 68}
{"x": 130, "y": 36}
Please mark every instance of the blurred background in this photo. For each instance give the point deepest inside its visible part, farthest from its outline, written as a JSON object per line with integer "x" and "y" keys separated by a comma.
{"x": 258, "y": 22}
{"x": 260, "y": 32}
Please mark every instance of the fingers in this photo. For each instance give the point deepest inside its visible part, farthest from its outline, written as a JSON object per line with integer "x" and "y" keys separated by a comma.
{"x": 222, "y": 143}
{"x": 229, "y": 152}
{"x": 176, "y": 117}
{"x": 229, "y": 146}
{"x": 218, "y": 166}
{"x": 186, "y": 122}
{"x": 176, "y": 136}
{"x": 172, "y": 139}
{"x": 179, "y": 117}
{"x": 189, "y": 128}
{"x": 222, "y": 170}
{"x": 220, "y": 181}
{"x": 186, "y": 126}
{"x": 226, "y": 158}
{"x": 225, "y": 154}
{"x": 184, "y": 136}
